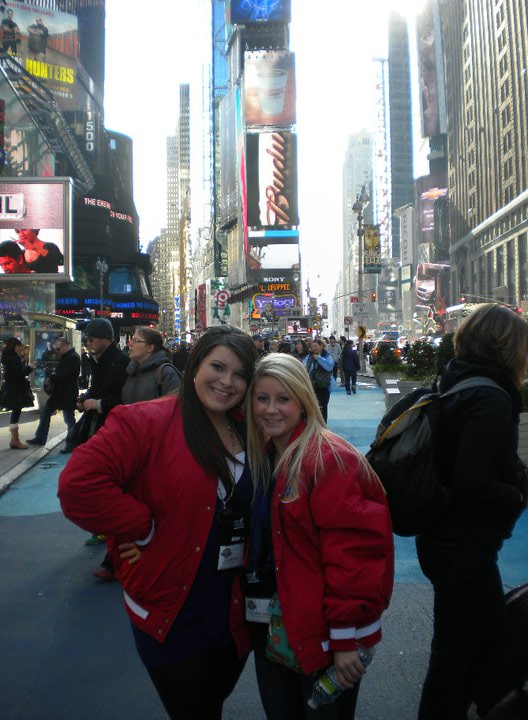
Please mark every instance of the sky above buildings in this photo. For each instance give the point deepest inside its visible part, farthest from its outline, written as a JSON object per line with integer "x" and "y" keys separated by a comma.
{"x": 153, "y": 47}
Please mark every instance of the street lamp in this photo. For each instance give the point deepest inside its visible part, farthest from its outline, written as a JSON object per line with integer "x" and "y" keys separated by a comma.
{"x": 362, "y": 200}
{"x": 101, "y": 268}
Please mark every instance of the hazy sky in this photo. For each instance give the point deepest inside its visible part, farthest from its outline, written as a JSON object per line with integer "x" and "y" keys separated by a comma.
{"x": 153, "y": 47}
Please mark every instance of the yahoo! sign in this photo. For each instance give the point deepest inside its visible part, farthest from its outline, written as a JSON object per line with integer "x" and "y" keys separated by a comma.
{"x": 280, "y": 304}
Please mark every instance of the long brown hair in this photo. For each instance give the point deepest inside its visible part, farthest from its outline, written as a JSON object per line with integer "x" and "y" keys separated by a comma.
{"x": 200, "y": 433}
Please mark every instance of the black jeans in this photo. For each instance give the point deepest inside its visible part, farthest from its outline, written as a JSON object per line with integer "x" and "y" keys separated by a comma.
{"x": 198, "y": 687}
{"x": 470, "y": 624}
{"x": 285, "y": 693}
{"x": 350, "y": 376}
{"x": 323, "y": 397}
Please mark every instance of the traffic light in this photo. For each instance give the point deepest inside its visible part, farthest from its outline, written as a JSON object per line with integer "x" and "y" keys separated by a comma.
{"x": 373, "y": 296}
{"x": 462, "y": 299}
{"x": 518, "y": 310}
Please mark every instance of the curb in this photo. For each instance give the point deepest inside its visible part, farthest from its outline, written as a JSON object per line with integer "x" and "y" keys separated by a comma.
{"x": 30, "y": 461}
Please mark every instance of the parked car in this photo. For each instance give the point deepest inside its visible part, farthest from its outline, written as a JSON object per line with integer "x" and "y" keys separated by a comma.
{"x": 391, "y": 346}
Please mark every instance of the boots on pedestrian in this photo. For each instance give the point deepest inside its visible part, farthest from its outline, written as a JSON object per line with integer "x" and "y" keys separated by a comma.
{"x": 16, "y": 442}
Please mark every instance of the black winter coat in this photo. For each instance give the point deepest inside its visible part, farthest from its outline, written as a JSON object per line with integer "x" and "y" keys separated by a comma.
{"x": 477, "y": 456}
{"x": 350, "y": 360}
{"x": 65, "y": 378}
{"x": 108, "y": 377}
{"x": 16, "y": 381}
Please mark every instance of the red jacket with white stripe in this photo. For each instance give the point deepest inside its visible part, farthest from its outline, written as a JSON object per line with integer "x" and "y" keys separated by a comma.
{"x": 334, "y": 557}
{"x": 135, "y": 470}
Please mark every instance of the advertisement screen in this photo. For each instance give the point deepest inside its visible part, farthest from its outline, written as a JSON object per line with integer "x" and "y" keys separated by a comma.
{"x": 273, "y": 256}
{"x": 35, "y": 229}
{"x": 251, "y": 11}
{"x": 428, "y": 283}
{"x": 429, "y": 99}
{"x": 271, "y": 179}
{"x": 45, "y": 43}
{"x": 269, "y": 87}
{"x": 228, "y": 154}
{"x": 430, "y": 189}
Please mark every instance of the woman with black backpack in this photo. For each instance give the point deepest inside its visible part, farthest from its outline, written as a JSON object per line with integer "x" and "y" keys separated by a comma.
{"x": 478, "y": 462}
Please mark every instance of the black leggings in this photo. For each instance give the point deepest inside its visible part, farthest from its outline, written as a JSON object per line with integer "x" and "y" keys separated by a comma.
{"x": 197, "y": 688}
{"x": 15, "y": 416}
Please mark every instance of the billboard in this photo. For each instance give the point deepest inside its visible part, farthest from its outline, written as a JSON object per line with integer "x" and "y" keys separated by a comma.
{"x": 256, "y": 11}
{"x": 45, "y": 42}
{"x": 430, "y": 188}
{"x": 273, "y": 254}
{"x": 229, "y": 197}
{"x": 430, "y": 68}
{"x": 430, "y": 284}
{"x": 219, "y": 308}
{"x": 35, "y": 229}
{"x": 271, "y": 172}
{"x": 372, "y": 249}
{"x": 406, "y": 236}
{"x": 269, "y": 87}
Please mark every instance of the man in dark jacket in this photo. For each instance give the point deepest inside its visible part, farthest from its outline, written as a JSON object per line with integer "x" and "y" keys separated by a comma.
{"x": 63, "y": 387}
{"x": 350, "y": 364}
{"x": 109, "y": 374}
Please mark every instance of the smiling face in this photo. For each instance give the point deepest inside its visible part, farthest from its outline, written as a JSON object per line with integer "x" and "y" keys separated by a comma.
{"x": 27, "y": 238}
{"x": 276, "y": 412}
{"x": 220, "y": 382}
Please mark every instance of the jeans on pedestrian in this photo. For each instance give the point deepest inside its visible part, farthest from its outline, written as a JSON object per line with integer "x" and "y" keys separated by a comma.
{"x": 323, "y": 397}
{"x": 285, "y": 693}
{"x": 45, "y": 418}
{"x": 470, "y": 623}
{"x": 350, "y": 379}
{"x": 197, "y": 687}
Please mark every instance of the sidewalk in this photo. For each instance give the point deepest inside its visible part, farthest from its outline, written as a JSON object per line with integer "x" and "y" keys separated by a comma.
{"x": 14, "y": 463}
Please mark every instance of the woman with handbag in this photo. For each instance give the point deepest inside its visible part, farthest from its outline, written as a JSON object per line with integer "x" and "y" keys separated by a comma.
{"x": 320, "y": 365}
{"x": 167, "y": 482}
{"x": 18, "y": 393}
{"x": 321, "y": 538}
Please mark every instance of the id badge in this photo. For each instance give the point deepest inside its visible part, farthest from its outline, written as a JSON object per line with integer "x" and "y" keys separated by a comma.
{"x": 257, "y": 610}
{"x": 231, "y": 556}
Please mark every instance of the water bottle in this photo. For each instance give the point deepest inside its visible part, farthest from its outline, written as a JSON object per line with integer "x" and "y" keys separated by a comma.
{"x": 328, "y": 688}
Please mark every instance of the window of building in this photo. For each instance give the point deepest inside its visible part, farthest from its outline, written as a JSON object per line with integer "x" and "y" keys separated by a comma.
{"x": 500, "y": 266}
{"x": 506, "y": 116}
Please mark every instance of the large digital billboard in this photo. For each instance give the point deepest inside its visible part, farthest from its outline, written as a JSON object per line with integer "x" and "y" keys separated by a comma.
{"x": 229, "y": 198}
{"x": 271, "y": 172}
{"x": 252, "y": 11}
{"x": 269, "y": 87}
{"x": 431, "y": 284}
{"x": 45, "y": 42}
{"x": 430, "y": 189}
{"x": 431, "y": 79}
{"x": 273, "y": 256}
{"x": 35, "y": 229}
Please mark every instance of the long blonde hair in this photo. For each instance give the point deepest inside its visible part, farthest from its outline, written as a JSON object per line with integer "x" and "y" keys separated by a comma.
{"x": 292, "y": 374}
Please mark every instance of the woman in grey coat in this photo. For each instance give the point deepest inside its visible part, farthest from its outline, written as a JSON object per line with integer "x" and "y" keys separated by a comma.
{"x": 150, "y": 372}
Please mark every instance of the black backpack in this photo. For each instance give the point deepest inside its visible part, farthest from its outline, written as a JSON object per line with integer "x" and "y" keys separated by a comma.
{"x": 403, "y": 456}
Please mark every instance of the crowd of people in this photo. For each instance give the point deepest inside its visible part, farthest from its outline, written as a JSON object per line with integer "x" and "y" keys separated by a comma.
{"x": 236, "y": 521}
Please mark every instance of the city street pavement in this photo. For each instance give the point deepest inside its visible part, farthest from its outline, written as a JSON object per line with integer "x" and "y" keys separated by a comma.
{"x": 67, "y": 650}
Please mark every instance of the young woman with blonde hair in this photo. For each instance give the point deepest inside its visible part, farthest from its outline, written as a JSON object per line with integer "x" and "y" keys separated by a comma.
{"x": 321, "y": 538}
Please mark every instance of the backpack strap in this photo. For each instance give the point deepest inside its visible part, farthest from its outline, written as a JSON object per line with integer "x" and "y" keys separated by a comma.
{"x": 158, "y": 375}
{"x": 473, "y": 382}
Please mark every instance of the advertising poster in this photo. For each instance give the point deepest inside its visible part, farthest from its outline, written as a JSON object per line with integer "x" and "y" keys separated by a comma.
{"x": 219, "y": 309}
{"x": 430, "y": 188}
{"x": 406, "y": 236}
{"x": 45, "y": 43}
{"x": 273, "y": 256}
{"x": 429, "y": 99}
{"x": 45, "y": 355}
{"x": 228, "y": 157}
{"x": 430, "y": 284}
{"x": 371, "y": 249}
{"x": 35, "y": 229}
{"x": 269, "y": 88}
{"x": 272, "y": 179}
{"x": 255, "y": 11}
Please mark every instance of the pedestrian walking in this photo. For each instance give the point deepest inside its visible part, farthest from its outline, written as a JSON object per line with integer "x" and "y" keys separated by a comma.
{"x": 334, "y": 349}
{"x": 319, "y": 365}
{"x": 350, "y": 363}
{"x": 321, "y": 546}
{"x": 479, "y": 466}
{"x": 62, "y": 386}
{"x": 180, "y": 357}
{"x": 150, "y": 372}
{"x": 86, "y": 370}
{"x": 168, "y": 484}
{"x": 18, "y": 393}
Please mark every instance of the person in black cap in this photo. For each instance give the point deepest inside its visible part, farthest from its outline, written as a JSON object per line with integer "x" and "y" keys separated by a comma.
{"x": 259, "y": 344}
{"x": 108, "y": 373}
